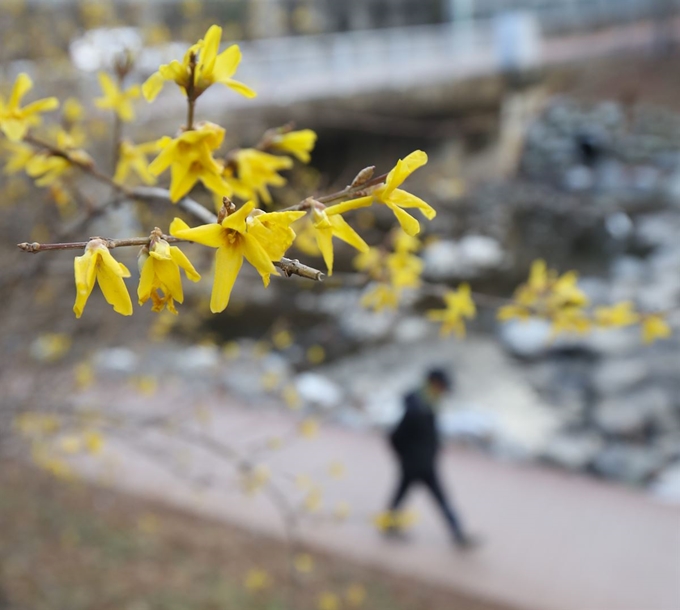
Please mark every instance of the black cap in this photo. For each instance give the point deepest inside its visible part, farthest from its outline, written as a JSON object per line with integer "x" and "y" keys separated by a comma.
{"x": 440, "y": 377}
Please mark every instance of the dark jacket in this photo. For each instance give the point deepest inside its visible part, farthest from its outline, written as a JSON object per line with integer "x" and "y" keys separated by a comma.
{"x": 415, "y": 439}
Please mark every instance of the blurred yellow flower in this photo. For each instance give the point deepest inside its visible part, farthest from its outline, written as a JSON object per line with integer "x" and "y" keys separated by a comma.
{"x": 282, "y": 339}
{"x": 97, "y": 263}
{"x": 309, "y": 427}
{"x": 233, "y": 244}
{"x": 297, "y": 143}
{"x": 251, "y": 172}
{"x": 370, "y": 261}
{"x": 255, "y": 479}
{"x": 654, "y": 327}
{"x": 316, "y": 354}
{"x": 380, "y": 296}
{"x": 291, "y": 397}
{"x": 303, "y": 563}
{"x": 459, "y": 306}
{"x": 18, "y": 156}
{"x": 405, "y": 270}
{"x": 328, "y": 601}
{"x": 116, "y": 99}
{"x": 73, "y": 110}
{"x": 83, "y": 374}
{"x": 257, "y": 580}
{"x": 94, "y": 441}
{"x": 621, "y": 314}
{"x": 355, "y": 595}
{"x": 336, "y": 470}
{"x": 15, "y": 121}
{"x": 133, "y": 158}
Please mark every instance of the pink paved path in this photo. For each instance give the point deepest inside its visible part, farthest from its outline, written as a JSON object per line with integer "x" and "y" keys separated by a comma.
{"x": 553, "y": 541}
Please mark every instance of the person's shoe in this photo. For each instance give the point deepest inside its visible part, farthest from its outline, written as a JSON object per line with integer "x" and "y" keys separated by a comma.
{"x": 468, "y": 542}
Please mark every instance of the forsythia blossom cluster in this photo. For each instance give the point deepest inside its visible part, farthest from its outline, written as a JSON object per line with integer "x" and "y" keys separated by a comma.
{"x": 558, "y": 299}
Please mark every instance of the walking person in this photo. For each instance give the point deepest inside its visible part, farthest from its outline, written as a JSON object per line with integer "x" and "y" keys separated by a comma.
{"x": 415, "y": 441}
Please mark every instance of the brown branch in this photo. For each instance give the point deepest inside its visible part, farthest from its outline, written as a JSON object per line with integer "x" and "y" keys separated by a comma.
{"x": 352, "y": 191}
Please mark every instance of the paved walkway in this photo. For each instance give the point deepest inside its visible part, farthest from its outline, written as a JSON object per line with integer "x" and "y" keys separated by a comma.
{"x": 553, "y": 541}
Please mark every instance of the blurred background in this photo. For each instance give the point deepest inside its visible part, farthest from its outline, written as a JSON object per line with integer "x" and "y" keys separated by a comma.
{"x": 238, "y": 460}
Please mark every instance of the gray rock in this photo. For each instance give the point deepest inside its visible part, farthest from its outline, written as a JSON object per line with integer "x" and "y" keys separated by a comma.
{"x": 666, "y": 485}
{"x": 318, "y": 390}
{"x": 628, "y": 463}
{"x": 631, "y": 413}
{"x": 526, "y": 338}
{"x": 615, "y": 376}
{"x": 116, "y": 360}
{"x": 573, "y": 451}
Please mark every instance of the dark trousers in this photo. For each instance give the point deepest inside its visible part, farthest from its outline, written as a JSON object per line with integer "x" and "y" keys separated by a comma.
{"x": 430, "y": 479}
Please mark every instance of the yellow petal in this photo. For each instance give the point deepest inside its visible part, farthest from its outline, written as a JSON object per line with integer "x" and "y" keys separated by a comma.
{"x": 324, "y": 239}
{"x": 404, "y": 199}
{"x": 84, "y": 270}
{"x": 403, "y": 169}
{"x": 211, "y": 44}
{"x": 145, "y": 281}
{"x": 346, "y": 206}
{"x": 410, "y": 225}
{"x": 343, "y": 231}
{"x": 239, "y": 87}
{"x": 211, "y": 235}
{"x": 44, "y": 105}
{"x": 226, "y": 63}
{"x": 22, "y": 85}
{"x": 237, "y": 220}
{"x": 228, "y": 263}
{"x": 114, "y": 290}
{"x": 152, "y": 86}
{"x": 168, "y": 274}
{"x": 181, "y": 259}
{"x": 14, "y": 130}
{"x": 256, "y": 255}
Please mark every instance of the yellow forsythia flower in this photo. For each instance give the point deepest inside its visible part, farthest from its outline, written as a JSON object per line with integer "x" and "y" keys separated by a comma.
{"x": 328, "y": 601}
{"x": 355, "y": 595}
{"x": 621, "y": 314}
{"x": 98, "y": 264}
{"x": 370, "y": 262}
{"x": 297, "y": 143}
{"x": 159, "y": 273}
{"x": 329, "y": 224}
{"x": 273, "y": 231}
{"x": 570, "y": 320}
{"x": 257, "y": 580}
{"x": 336, "y": 470}
{"x": 83, "y": 374}
{"x": 303, "y": 563}
{"x": 94, "y": 441}
{"x": 251, "y": 172}
{"x": 405, "y": 270}
{"x": 233, "y": 244}
{"x": 379, "y": 297}
{"x": 395, "y": 198}
{"x": 189, "y": 157}
{"x": 291, "y": 397}
{"x": 655, "y": 327}
{"x": 309, "y": 428}
{"x": 16, "y": 121}
{"x": 47, "y": 168}
{"x": 316, "y": 354}
{"x": 459, "y": 305}
{"x": 73, "y": 110}
{"x": 133, "y": 158}
{"x": 282, "y": 339}
{"x": 18, "y": 156}
{"x": 116, "y": 99}
{"x": 210, "y": 68}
